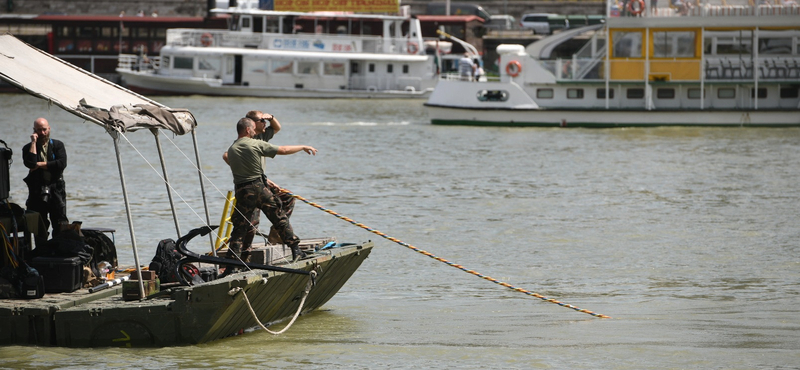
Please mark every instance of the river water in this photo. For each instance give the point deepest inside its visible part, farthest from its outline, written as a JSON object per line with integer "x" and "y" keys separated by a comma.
{"x": 687, "y": 237}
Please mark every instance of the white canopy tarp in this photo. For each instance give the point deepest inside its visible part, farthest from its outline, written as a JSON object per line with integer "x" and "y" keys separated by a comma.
{"x": 84, "y": 94}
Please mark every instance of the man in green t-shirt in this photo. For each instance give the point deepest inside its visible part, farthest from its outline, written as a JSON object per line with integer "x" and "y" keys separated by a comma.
{"x": 267, "y": 126}
{"x": 244, "y": 158}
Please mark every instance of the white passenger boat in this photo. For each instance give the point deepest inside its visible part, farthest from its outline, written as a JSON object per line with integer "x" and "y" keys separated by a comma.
{"x": 716, "y": 65}
{"x": 290, "y": 54}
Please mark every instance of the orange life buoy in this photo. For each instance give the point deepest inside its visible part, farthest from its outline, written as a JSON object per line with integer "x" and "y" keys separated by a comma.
{"x": 206, "y": 39}
{"x": 513, "y": 68}
{"x": 413, "y": 48}
{"x": 638, "y": 10}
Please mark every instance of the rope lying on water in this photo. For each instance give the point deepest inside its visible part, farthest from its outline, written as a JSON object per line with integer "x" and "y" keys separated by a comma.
{"x": 462, "y": 268}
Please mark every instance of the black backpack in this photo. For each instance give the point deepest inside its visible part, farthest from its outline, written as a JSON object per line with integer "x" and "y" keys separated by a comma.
{"x": 165, "y": 264}
{"x": 103, "y": 247}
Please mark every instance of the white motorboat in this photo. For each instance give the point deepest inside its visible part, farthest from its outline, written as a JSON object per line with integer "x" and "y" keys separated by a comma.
{"x": 723, "y": 65}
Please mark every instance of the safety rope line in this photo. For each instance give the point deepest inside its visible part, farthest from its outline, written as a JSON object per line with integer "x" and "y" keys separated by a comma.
{"x": 428, "y": 254}
{"x": 310, "y": 282}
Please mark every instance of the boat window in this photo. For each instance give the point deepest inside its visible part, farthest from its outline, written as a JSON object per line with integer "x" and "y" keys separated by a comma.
{"x": 735, "y": 48}
{"x": 673, "y": 44}
{"x": 726, "y": 93}
{"x": 333, "y": 69}
{"x": 230, "y": 64}
{"x": 64, "y": 32}
{"x": 574, "y": 93}
{"x": 389, "y": 68}
{"x": 159, "y": 33}
{"x": 106, "y": 32}
{"x": 245, "y": 23}
{"x": 372, "y": 67}
{"x": 739, "y": 42}
{"x": 258, "y": 24}
{"x": 139, "y": 32}
{"x": 665, "y": 93}
{"x": 492, "y": 95}
{"x": 282, "y": 66}
{"x": 601, "y": 93}
{"x": 544, "y": 93}
{"x": 87, "y": 31}
{"x": 775, "y": 46}
{"x": 208, "y": 64}
{"x": 234, "y": 23}
{"x": 405, "y": 69}
{"x": 255, "y": 66}
{"x": 273, "y": 22}
{"x": 627, "y": 44}
{"x": 183, "y": 63}
{"x": 307, "y": 68}
{"x": 354, "y": 68}
{"x": 694, "y": 93}
{"x": 762, "y": 93}
{"x": 635, "y": 93}
{"x": 789, "y": 92}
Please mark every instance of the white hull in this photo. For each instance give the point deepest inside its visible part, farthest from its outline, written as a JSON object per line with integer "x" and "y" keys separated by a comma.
{"x": 156, "y": 84}
{"x": 451, "y": 104}
{"x": 607, "y": 118}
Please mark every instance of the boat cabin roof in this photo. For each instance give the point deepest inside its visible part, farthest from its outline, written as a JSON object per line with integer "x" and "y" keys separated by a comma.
{"x": 290, "y": 54}
{"x": 318, "y": 15}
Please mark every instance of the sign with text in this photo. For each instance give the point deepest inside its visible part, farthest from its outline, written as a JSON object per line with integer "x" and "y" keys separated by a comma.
{"x": 357, "y": 6}
{"x": 319, "y": 44}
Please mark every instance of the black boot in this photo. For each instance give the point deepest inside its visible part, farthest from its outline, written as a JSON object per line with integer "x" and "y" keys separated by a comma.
{"x": 297, "y": 253}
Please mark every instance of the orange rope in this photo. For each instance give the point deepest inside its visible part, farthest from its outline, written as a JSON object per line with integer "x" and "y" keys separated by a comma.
{"x": 462, "y": 268}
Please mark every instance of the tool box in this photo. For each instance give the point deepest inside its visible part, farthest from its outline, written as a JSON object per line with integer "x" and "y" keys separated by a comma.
{"x": 61, "y": 274}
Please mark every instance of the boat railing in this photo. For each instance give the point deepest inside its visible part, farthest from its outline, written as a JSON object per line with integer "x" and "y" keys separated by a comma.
{"x": 135, "y": 62}
{"x": 454, "y": 76}
{"x": 710, "y": 8}
{"x": 763, "y": 68}
{"x": 296, "y": 42}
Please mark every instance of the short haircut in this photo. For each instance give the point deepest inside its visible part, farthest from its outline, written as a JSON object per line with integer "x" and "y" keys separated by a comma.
{"x": 253, "y": 114}
{"x": 243, "y": 124}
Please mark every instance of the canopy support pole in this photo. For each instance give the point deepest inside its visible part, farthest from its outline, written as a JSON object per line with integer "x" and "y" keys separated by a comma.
{"x": 203, "y": 191}
{"x": 115, "y": 136}
{"x": 154, "y": 131}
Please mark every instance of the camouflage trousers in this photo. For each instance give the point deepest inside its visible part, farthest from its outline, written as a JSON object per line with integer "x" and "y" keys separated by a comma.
{"x": 286, "y": 202}
{"x": 250, "y": 198}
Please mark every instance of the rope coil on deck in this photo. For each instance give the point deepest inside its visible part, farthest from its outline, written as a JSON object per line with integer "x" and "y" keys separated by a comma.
{"x": 307, "y": 290}
{"x": 462, "y": 268}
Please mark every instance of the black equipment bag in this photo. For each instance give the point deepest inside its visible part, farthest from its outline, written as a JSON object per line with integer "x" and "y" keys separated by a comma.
{"x": 165, "y": 264}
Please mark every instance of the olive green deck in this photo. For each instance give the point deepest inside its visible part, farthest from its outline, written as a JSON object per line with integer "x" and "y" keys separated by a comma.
{"x": 184, "y": 315}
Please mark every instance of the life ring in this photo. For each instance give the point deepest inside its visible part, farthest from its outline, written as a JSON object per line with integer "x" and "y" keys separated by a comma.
{"x": 413, "y": 48}
{"x": 206, "y": 39}
{"x": 638, "y": 10}
{"x": 513, "y": 68}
